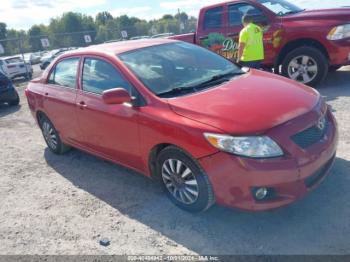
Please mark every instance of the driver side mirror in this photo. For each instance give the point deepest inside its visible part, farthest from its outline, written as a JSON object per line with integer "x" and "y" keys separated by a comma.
{"x": 116, "y": 96}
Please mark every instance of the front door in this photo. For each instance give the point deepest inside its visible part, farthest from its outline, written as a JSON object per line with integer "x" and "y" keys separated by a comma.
{"x": 235, "y": 14}
{"x": 110, "y": 130}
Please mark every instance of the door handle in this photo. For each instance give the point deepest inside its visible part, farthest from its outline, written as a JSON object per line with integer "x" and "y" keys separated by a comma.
{"x": 82, "y": 104}
{"x": 203, "y": 37}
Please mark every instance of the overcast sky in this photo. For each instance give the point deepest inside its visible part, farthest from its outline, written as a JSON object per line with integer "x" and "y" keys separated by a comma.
{"x": 22, "y": 14}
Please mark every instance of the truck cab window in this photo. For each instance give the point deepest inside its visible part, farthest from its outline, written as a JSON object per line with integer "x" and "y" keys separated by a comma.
{"x": 213, "y": 18}
{"x": 237, "y": 11}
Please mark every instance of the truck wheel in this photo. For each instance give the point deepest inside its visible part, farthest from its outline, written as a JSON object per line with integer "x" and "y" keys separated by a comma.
{"x": 306, "y": 65}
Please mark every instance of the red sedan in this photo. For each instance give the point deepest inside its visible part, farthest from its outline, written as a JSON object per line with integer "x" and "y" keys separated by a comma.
{"x": 209, "y": 131}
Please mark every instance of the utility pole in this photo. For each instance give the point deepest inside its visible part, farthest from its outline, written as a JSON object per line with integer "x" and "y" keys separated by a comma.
{"x": 179, "y": 20}
{"x": 21, "y": 51}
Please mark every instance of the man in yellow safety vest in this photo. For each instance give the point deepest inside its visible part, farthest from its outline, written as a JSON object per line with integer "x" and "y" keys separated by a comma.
{"x": 251, "y": 46}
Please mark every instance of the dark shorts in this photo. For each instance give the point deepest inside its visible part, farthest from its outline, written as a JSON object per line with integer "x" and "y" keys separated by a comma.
{"x": 251, "y": 64}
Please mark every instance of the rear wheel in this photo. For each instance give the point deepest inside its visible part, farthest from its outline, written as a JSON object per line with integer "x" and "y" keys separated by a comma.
{"x": 184, "y": 182}
{"x": 15, "y": 101}
{"x": 306, "y": 65}
{"x": 29, "y": 76}
{"x": 52, "y": 137}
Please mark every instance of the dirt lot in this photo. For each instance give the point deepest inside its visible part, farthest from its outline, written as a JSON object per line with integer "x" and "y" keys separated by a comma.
{"x": 65, "y": 204}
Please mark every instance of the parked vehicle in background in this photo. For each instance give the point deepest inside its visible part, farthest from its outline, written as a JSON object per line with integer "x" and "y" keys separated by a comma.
{"x": 205, "y": 129}
{"x": 32, "y": 58}
{"x": 164, "y": 35}
{"x": 14, "y": 67}
{"x": 46, "y": 60}
{"x": 304, "y": 44}
{"x": 8, "y": 93}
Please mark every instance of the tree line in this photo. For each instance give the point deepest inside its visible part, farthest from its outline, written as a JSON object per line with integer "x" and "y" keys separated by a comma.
{"x": 69, "y": 29}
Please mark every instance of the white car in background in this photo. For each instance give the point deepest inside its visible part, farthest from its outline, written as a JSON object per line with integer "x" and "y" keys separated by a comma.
{"x": 32, "y": 58}
{"x": 15, "y": 67}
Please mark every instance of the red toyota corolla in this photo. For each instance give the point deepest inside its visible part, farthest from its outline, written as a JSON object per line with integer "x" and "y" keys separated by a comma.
{"x": 209, "y": 131}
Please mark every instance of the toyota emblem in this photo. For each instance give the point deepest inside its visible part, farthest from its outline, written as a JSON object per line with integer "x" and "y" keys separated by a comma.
{"x": 321, "y": 124}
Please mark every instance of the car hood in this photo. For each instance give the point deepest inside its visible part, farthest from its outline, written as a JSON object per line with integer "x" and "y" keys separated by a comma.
{"x": 249, "y": 104}
{"x": 321, "y": 14}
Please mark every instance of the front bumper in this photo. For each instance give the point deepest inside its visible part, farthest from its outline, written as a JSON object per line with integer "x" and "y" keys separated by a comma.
{"x": 339, "y": 52}
{"x": 291, "y": 176}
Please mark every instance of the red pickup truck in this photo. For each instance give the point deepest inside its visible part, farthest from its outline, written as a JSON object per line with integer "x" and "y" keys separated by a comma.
{"x": 302, "y": 45}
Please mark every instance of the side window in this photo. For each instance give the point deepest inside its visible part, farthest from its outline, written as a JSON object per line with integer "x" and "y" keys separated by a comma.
{"x": 65, "y": 73}
{"x": 237, "y": 11}
{"x": 213, "y": 18}
{"x": 99, "y": 75}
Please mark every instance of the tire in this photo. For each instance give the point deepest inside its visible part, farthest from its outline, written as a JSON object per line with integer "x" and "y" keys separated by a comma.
{"x": 52, "y": 137}
{"x": 15, "y": 101}
{"x": 43, "y": 66}
{"x": 184, "y": 181}
{"x": 29, "y": 76}
{"x": 306, "y": 65}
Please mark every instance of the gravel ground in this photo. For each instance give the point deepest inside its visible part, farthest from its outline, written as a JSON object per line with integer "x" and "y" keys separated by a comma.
{"x": 66, "y": 204}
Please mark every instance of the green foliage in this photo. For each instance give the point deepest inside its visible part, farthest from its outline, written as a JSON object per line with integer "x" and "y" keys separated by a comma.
{"x": 68, "y": 30}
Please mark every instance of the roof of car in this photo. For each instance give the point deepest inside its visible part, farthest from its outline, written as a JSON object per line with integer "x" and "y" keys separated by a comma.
{"x": 123, "y": 46}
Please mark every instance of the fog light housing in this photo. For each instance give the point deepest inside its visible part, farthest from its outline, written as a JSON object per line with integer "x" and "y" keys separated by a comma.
{"x": 261, "y": 193}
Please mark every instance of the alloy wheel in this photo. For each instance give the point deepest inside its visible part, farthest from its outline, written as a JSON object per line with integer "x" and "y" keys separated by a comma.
{"x": 303, "y": 69}
{"x": 180, "y": 181}
{"x": 50, "y": 135}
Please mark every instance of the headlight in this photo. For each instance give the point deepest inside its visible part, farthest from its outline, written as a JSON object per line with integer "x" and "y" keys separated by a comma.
{"x": 249, "y": 146}
{"x": 339, "y": 32}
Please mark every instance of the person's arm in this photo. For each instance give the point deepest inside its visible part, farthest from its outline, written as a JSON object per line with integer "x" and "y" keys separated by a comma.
{"x": 242, "y": 43}
{"x": 240, "y": 51}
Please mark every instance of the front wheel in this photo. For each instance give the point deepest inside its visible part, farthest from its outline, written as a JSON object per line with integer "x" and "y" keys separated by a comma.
{"x": 184, "y": 181}
{"x": 52, "y": 137}
{"x": 306, "y": 65}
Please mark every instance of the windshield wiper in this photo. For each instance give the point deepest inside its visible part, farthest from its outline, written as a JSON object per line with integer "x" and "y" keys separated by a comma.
{"x": 214, "y": 80}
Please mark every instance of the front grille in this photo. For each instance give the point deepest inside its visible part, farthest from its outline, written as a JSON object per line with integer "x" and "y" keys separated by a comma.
{"x": 312, "y": 135}
{"x": 317, "y": 176}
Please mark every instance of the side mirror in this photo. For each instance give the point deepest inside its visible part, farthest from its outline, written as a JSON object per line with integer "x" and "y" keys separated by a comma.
{"x": 116, "y": 96}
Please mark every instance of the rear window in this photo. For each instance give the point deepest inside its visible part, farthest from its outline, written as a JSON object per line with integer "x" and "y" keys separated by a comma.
{"x": 213, "y": 18}
{"x": 65, "y": 73}
{"x": 14, "y": 60}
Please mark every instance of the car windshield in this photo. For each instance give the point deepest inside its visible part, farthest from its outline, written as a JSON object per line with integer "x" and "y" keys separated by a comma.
{"x": 170, "y": 69}
{"x": 281, "y": 7}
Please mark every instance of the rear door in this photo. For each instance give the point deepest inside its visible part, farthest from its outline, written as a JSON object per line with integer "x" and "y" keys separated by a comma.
{"x": 60, "y": 98}
{"x": 212, "y": 28}
{"x": 110, "y": 130}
